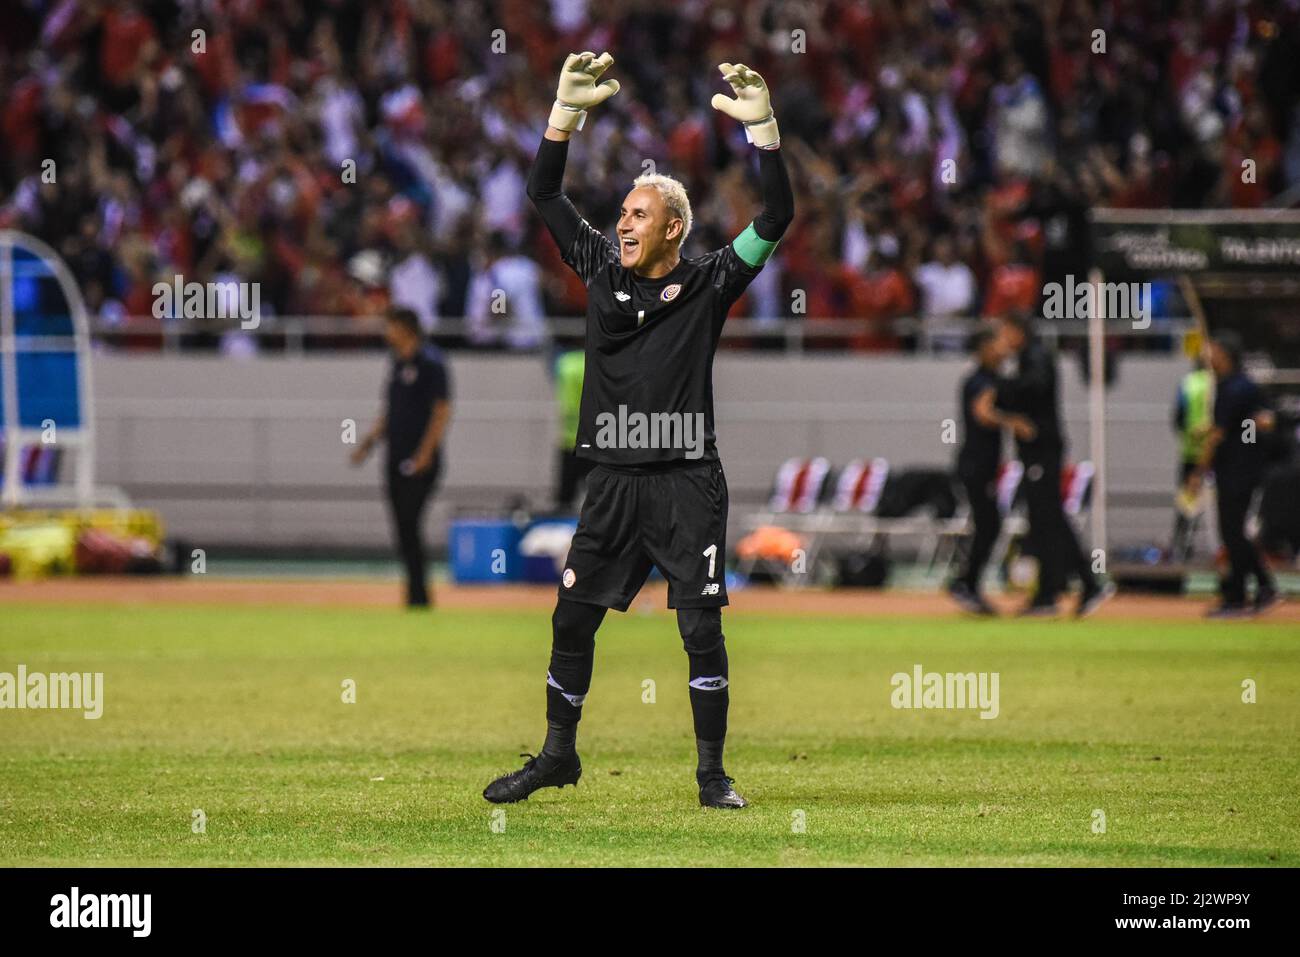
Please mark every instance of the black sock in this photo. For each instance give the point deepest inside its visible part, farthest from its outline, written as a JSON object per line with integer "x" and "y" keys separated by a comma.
{"x": 561, "y": 739}
{"x": 709, "y": 706}
{"x": 710, "y": 758}
{"x": 701, "y": 630}
{"x": 573, "y": 653}
{"x": 563, "y": 706}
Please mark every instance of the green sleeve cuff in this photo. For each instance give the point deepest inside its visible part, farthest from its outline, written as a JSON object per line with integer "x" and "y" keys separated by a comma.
{"x": 752, "y": 248}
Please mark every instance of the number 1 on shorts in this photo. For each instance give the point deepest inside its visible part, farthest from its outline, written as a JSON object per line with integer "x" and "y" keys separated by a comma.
{"x": 711, "y": 553}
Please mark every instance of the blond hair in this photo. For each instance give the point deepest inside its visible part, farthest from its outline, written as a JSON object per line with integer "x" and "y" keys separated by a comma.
{"x": 674, "y": 197}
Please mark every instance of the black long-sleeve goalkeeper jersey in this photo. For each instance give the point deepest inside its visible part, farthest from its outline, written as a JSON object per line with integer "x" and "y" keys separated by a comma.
{"x": 647, "y": 394}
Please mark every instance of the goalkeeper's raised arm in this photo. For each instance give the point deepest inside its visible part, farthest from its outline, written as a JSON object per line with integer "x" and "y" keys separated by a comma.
{"x": 578, "y": 91}
{"x": 752, "y": 105}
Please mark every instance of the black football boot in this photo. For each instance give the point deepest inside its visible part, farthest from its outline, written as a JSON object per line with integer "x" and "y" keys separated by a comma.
{"x": 542, "y": 771}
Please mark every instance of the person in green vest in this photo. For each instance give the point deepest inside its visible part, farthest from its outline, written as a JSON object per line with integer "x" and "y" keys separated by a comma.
{"x": 569, "y": 367}
{"x": 1193, "y": 421}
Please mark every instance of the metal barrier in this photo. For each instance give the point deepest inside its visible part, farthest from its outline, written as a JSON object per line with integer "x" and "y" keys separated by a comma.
{"x": 297, "y": 335}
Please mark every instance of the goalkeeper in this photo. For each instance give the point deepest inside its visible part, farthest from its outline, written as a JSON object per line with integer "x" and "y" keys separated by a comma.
{"x": 657, "y": 496}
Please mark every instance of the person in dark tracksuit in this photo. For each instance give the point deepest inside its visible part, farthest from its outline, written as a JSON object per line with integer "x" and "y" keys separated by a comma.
{"x": 1034, "y": 393}
{"x": 416, "y": 412}
{"x": 978, "y": 463}
{"x": 1233, "y": 453}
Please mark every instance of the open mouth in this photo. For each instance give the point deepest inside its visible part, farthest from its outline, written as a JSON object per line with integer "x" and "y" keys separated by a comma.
{"x": 630, "y": 245}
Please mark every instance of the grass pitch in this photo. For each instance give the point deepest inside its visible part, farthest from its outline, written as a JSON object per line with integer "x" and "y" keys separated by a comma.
{"x": 237, "y": 712}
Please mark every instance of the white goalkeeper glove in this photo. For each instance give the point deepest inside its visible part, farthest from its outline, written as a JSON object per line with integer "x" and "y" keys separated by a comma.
{"x": 752, "y": 105}
{"x": 578, "y": 90}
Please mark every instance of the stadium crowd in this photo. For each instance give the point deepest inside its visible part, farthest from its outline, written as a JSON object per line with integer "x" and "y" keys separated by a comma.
{"x": 346, "y": 154}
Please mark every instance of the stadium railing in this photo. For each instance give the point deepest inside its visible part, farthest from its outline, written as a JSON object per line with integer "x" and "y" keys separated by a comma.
{"x": 298, "y": 335}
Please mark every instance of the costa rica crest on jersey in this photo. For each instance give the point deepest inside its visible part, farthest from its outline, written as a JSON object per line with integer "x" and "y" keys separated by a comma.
{"x": 670, "y": 292}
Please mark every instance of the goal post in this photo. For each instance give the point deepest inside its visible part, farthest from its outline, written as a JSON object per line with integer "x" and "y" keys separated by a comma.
{"x": 46, "y": 396}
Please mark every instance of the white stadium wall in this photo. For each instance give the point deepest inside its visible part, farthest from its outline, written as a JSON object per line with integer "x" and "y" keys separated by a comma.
{"x": 249, "y": 452}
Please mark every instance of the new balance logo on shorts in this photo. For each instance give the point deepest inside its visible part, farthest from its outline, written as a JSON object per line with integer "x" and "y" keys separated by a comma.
{"x": 710, "y": 589}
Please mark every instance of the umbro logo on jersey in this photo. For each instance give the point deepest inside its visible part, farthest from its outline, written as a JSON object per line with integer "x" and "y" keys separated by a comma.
{"x": 621, "y": 296}
{"x": 670, "y": 292}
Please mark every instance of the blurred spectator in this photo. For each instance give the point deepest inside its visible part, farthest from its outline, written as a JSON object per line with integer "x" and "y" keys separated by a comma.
{"x": 947, "y": 289}
{"x": 413, "y": 282}
{"x": 1018, "y": 121}
{"x": 1013, "y": 287}
{"x": 505, "y": 301}
{"x": 882, "y": 295}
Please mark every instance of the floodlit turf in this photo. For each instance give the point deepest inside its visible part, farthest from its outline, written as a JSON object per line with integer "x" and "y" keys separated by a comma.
{"x": 237, "y": 712}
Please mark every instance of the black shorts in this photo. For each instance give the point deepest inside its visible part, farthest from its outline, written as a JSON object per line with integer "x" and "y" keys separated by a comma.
{"x": 675, "y": 520}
